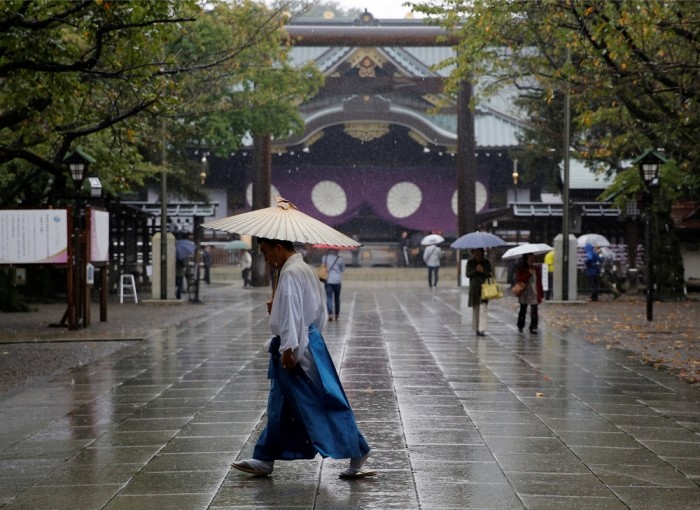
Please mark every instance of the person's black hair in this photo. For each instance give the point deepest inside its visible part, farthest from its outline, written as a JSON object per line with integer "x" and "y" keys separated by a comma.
{"x": 287, "y": 245}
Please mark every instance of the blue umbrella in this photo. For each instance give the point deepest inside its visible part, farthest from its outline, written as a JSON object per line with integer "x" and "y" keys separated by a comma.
{"x": 184, "y": 248}
{"x": 477, "y": 239}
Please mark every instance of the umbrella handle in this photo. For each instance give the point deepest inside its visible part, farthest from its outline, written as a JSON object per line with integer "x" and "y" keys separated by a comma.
{"x": 275, "y": 281}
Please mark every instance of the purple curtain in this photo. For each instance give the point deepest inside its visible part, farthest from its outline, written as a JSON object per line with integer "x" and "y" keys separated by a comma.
{"x": 370, "y": 187}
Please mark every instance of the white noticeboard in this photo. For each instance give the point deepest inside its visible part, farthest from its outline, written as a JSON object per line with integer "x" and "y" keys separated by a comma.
{"x": 545, "y": 277}
{"x": 463, "y": 280}
{"x": 34, "y": 236}
{"x": 99, "y": 236}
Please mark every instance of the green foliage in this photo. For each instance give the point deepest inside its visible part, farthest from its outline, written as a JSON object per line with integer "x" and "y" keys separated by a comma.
{"x": 628, "y": 65}
{"x": 122, "y": 79}
{"x": 629, "y": 187}
{"x": 668, "y": 264}
{"x": 629, "y": 68}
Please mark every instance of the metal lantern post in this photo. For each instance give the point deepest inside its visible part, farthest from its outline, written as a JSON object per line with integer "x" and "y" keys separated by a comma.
{"x": 78, "y": 163}
{"x": 649, "y": 164}
{"x": 198, "y": 237}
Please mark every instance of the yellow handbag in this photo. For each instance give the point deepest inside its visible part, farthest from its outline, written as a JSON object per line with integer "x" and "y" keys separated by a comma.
{"x": 491, "y": 290}
{"x": 322, "y": 272}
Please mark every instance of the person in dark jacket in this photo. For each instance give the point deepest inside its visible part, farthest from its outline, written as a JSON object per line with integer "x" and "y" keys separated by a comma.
{"x": 530, "y": 274}
{"x": 593, "y": 261}
{"x": 206, "y": 262}
{"x": 478, "y": 271}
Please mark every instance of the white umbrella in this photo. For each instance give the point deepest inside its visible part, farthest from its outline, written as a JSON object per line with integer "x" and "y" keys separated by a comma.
{"x": 283, "y": 222}
{"x": 477, "y": 239}
{"x": 594, "y": 239}
{"x": 534, "y": 248}
{"x": 607, "y": 255}
{"x": 432, "y": 239}
{"x": 331, "y": 247}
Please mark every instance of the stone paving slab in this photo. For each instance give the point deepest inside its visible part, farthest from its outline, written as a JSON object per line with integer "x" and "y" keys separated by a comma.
{"x": 507, "y": 421}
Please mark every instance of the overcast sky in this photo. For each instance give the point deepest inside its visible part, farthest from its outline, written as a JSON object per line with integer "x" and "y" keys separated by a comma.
{"x": 378, "y": 8}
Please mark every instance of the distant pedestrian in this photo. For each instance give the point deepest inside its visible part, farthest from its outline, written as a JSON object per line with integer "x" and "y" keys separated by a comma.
{"x": 431, "y": 257}
{"x": 246, "y": 264}
{"x": 478, "y": 271}
{"x": 206, "y": 262}
{"x": 607, "y": 271}
{"x": 180, "y": 265}
{"x": 336, "y": 267}
{"x": 549, "y": 262}
{"x": 530, "y": 274}
{"x": 593, "y": 261}
{"x": 356, "y": 253}
{"x": 403, "y": 250}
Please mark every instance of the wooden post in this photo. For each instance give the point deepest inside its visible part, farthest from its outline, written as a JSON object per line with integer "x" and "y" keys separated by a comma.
{"x": 104, "y": 291}
{"x": 262, "y": 166}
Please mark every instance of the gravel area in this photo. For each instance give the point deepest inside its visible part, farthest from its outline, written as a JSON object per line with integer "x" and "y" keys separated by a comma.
{"x": 670, "y": 342}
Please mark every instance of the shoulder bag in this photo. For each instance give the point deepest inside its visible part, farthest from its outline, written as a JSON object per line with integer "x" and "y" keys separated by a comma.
{"x": 323, "y": 270}
{"x": 491, "y": 290}
{"x": 518, "y": 289}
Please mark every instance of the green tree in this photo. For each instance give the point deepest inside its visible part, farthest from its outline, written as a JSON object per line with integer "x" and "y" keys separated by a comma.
{"x": 77, "y": 72}
{"x": 630, "y": 67}
{"x": 628, "y": 187}
{"x": 243, "y": 85}
{"x": 106, "y": 75}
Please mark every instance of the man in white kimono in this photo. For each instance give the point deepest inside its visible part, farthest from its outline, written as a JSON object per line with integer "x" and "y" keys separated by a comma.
{"x": 307, "y": 410}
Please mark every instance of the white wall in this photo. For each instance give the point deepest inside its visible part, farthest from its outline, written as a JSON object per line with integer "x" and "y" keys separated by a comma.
{"x": 691, "y": 261}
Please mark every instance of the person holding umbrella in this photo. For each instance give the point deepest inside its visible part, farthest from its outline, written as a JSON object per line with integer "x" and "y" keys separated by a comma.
{"x": 308, "y": 412}
{"x": 431, "y": 257}
{"x": 246, "y": 264}
{"x": 592, "y": 262}
{"x": 529, "y": 274}
{"x": 478, "y": 271}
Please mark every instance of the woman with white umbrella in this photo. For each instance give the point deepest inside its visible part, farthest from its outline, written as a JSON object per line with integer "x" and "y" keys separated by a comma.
{"x": 529, "y": 274}
{"x": 478, "y": 271}
{"x": 431, "y": 257}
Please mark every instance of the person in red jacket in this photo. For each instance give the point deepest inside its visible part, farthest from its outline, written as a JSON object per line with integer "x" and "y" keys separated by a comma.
{"x": 530, "y": 274}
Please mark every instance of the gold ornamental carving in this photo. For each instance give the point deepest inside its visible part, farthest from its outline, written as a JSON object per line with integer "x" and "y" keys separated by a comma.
{"x": 368, "y": 69}
{"x": 366, "y": 131}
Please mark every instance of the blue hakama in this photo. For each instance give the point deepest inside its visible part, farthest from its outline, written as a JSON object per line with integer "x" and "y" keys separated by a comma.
{"x": 302, "y": 419}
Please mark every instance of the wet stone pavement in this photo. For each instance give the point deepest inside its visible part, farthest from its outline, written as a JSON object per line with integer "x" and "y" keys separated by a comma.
{"x": 506, "y": 421}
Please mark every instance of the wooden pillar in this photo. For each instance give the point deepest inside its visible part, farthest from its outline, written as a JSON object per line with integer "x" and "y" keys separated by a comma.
{"x": 466, "y": 162}
{"x": 71, "y": 315}
{"x": 104, "y": 291}
{"x": 86, "y": 288}
{"x": 262, "y": 180}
